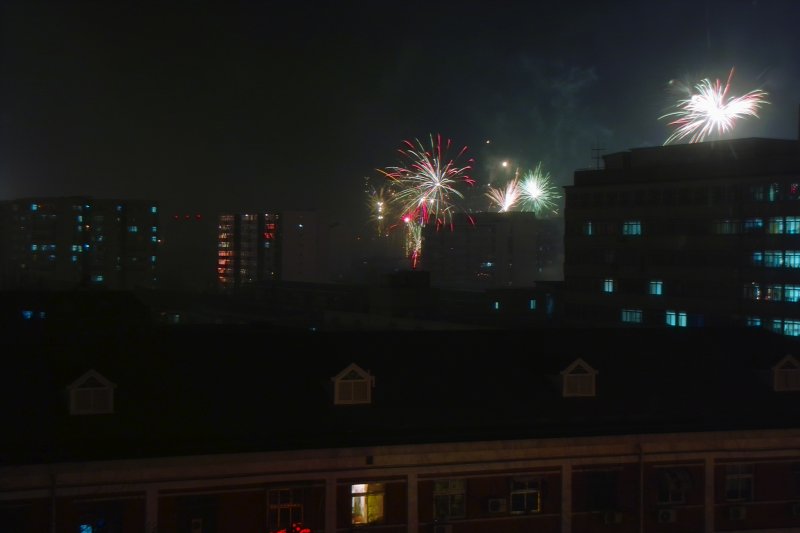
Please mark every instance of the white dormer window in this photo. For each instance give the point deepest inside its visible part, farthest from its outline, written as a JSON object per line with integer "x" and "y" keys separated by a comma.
{"x": 91, "y": 394}
{"x": 579, "y": 379}
{"x": 353, "y": 385}
{"x": 786, "y": 374}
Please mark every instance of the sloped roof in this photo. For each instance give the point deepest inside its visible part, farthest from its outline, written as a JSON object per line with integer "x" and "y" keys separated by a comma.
{"x": 224, "y": 389}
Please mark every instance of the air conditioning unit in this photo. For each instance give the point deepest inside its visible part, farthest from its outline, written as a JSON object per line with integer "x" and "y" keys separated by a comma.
{"x": 666, "y": 516}
{"x": 497, "y": 505}
{"x": 738, "y": 512}
{"x": 612, "y": 517}
{"x": 796, "y": 509}
{"x": 443, "y": 528}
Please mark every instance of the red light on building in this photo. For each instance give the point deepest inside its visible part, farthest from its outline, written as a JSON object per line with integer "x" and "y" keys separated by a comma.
{"x": 197, "y": 216}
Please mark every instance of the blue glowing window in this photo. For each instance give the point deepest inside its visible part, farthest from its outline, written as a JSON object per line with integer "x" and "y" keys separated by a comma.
{"x": 791, "y": 293}
{"x": 791, "y": 328}
{"x": 773, "y": 258}
{"x": 34, "y": 207}
{"x": 632, "y": 227}
{"x": 532, "y": 305}
{"x": 753, "y": 321}
{"x": 152, "y": 259}
{"x": 97, "y": 278}
{"x": 776, "y": 225}
{"x": 752, "y": 225}
{"x": 656, "y": 287}
{"x": 80, "y": 218}
{"x": 154, "y": 229}
{"x": 133, "y": 229}
{"x": 791, "y": 259}
{"x": 608, "y": 285}
{"x": 34, "y": 247}
{"x": 27, "y": 314}
{"x": 632, "y": 316}
{"x": 119, "y": 208}
{"x": 757, "y": 258}
{"x": 153, "y": 209}
{"x": 154, "y": 238}
{"x": 85, "y": 528}
{"x": 588, "y": 229}
{"x": 496, "y": 306}
{"x": 74, "y": 258}
{"x": 792, "y": 225}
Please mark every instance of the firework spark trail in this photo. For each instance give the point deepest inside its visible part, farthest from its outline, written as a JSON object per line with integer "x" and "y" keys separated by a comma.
{"x": 425, "y": 187}
{"x": 710, "y": 110}
{"x": 537, "y": 194}
{"x": 378, "y": 203}
{"x": 505, "y": 198}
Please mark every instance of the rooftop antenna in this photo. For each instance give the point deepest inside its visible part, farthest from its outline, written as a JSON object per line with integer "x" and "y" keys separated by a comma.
{"x": 596, "y": 156}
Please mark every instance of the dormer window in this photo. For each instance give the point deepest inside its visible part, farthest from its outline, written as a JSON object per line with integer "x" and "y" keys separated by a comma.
{"x": 786, "y": 374}
{"x": 91, "y": 394}
{"x": 578, "y": 379}
{"x": 353, "y": 385}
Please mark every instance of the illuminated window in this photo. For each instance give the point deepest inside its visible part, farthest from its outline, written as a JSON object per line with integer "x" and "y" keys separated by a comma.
{"x": 34, "y": 207}
{"x": 774, "y": 191}
{"x": 791, "y": 293}
{"x": 773, "y": 293}
{"x": 673, "y": 485}
{"x": 91, "y": 394}
{"x": 588, "y": 229}
{"x": 793, "y": 225}
{"x": 632, "y": 227}
{"x": 133, "y": 229}
{"x": 449, "y": 500}
{"x": 656, "y": 287}
{"x": 353, "y": 385}
{"x": 776, "y": 225}
{"x": 367, "y": 503}
{"x": 532, "y": 305}
{"x": 283, "y": 510}
{"x": 85, "y": 528}
{"x": 526, "y": 495}
{"x": 791, "y": 258}
{"x": 786, "y": 374}
{"x": 753, "y": 321}
{"x": 753, "y": 225}
{"x": 578, "y": 380}
{"x": 676, "y": 319}
{"x": 97, "y": 278}
{"x": 153, "y": 209}
{"x": 608, "y": 285}
{"x": 791, "y": 328}
{"x": 738, "y": 483}
{"x": 757, "y": 258}
{"x": 632, "y": 316}
{"x": 773, "y": 258}
{"x": 496, "y": 305}
{"x": 752, "y": 291}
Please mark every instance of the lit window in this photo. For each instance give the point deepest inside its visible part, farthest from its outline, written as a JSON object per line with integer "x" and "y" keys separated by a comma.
{"x": 775, "y": 325}
{"x": 791, "y": 328}
{"x": 656, "y": 287}
{"x": 85, "y": 528}
{"x": 753, "y": 321}
{"x": 793, "y": 225}
{"x": 671, "y": 318}
{"x": 791, "y": 258}
{"x": 133, "y": 229}
{"x": 752, "y": 291}
{"x": 588, "y": 229}
{"x": 153, "y": 209}
{"x": 786, "y": 374}
{"x": 532, "y": 305}
{"x": 27, "y": 315}
{"x": 154, "y": 239}
{"x": 34, "y": 207}
{"x": 34, "y": 247}
{"x": 752, "y": 225}
{"x": 154, "y": 229}
{"x": 496, "y": 305}
{"x": 632, "y": 227}
{"x": 608, "y": 285}
{"x": 776, "y": 225}
{"x": 367, "y": 503}
{"x": 526, "y": 496}
{"x": 119, "y": 208}
{"x": 774, "y": 192}
{"x": 632, "y": 316}
{"x": 449, "y": 499}
{"x": 738, "y": 483}
{"x": 681, "y": 319}
{"x": 773, "y": 293}
{"x": 791, "y": 293}
{"x": 97, "y": 278}
{"x": 152, "y": 259}
{"x": 757, "y": 258}
{"x": 773, "y": 258}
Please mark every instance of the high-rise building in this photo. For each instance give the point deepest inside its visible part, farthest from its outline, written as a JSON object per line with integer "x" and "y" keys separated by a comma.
{"x": 491, "y": 250}
{"x": 687, "y": 235}
{"x": 262, "y": 247}
{"x": 68, "y": 242}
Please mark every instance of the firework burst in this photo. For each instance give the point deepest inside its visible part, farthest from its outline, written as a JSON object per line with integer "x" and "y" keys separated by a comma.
{"x": 378, "y": 203}
{"x": 425, "y": 188}
{"x": 505, "y": 198}
{"x": 709, "y": 108}
{"x": 537, "y": 193}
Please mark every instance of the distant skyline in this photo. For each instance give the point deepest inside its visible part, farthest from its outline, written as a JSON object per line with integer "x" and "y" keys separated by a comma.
{"x": 283, "y": 106}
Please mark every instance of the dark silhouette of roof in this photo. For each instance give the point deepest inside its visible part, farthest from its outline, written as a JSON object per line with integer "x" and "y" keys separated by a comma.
{"x": 231, "y": 388}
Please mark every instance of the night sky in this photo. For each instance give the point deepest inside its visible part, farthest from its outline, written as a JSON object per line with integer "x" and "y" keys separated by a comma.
{"x": 290, "y": 105}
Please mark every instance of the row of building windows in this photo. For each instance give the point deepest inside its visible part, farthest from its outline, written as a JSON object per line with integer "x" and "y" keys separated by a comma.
{"x": 781, "y": 225}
